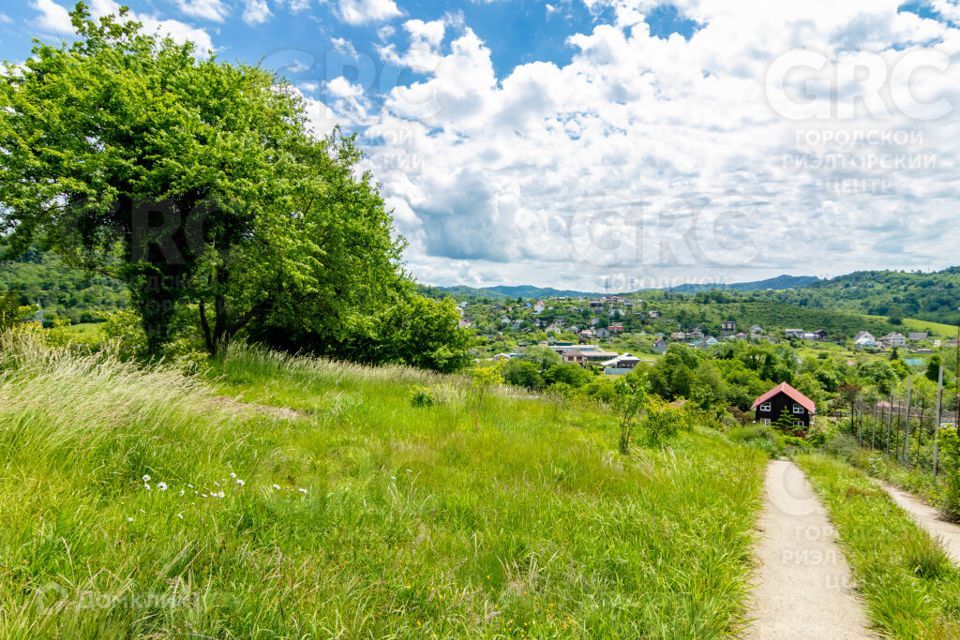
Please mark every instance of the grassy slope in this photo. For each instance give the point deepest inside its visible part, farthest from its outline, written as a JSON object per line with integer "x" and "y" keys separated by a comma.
{"x": 415, "y": 522}
{"x": 933, "y": 328}
{"x": 911, "y": 588}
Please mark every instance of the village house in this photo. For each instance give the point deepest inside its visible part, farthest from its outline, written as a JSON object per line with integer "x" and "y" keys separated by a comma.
{"x": 678, "y": 335}
{"x": 615, "y": 328}
{"x": 583, "y": 357}
{"x": 893, "y": 340}
{"x": 918, "y": 336}
{"x": 783, "y": 398}
{"x": 864, "y": 340}
{"x": 620, "y": 365}
{"x": 601, "y": 332}
{"x": 728, "y": 327}
{"x": 793, "y": 333}
{"x": 653, "y": 314}
{"x": 660, "y": 346}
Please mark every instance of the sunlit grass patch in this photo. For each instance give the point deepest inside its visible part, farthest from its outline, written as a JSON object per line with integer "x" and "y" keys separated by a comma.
{"x": 358, "y": 514}
{"x": 910, "y": 586}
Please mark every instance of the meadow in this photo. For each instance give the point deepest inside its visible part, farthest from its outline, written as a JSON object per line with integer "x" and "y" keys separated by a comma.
{"x": 272, "y": 496}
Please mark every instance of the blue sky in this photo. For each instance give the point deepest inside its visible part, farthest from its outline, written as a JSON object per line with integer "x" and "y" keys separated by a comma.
{"x": 579, "y": 142}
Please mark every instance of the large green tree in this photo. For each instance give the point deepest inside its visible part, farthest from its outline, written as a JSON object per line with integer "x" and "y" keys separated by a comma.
{"x": 194, "y": 181}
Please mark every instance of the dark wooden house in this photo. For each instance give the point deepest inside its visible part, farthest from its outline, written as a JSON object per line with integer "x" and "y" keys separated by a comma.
{"x": 784, "y": 398}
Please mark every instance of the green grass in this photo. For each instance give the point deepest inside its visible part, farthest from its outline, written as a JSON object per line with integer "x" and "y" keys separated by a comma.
{"x": 910, "y": 587}
{"x": 517, "y": 519}
{"x": 933, "y": 328}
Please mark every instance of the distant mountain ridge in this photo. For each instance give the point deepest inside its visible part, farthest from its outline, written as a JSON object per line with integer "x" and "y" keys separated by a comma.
{"x": 778, "y": 283}
{"x": 529, "y": 291}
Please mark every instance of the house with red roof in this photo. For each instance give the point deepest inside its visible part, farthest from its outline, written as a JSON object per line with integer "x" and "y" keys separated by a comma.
{"x": 784, "y": 398}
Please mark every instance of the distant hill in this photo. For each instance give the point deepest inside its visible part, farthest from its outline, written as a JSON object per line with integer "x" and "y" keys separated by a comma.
{"x": 933, "y": 296}
{"x": 528, "y": 291}
{"x": 510, "y": 292}
{"x": 775, "y": 284}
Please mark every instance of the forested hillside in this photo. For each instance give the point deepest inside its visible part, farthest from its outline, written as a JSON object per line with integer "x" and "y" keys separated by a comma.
{"x": 897, "y": 294}
{"x": 43, "y": 281}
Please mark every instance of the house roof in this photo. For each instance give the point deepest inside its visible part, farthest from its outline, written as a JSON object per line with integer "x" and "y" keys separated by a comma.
{"x": 794, "y": 395}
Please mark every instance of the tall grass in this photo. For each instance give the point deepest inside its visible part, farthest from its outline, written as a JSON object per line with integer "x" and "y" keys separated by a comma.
{"x": 911, "y": 588}
{"x": 358, "y": 515}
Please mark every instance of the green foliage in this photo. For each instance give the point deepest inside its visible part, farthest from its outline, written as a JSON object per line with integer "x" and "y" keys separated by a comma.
{"x": 950, "y": 466}
{"x": 662, "y": 422}
{"x": 42, "y": 278}
{"x": 11, "y": 311}
{"x": 569, "y": 374}
{"x": 422, "y": 397}
{"x": 522, "y": 373}
{"x": 629, "y": 398}
{"x": 125, "y": 330}
{"x": 760, "y": 437}
{"x": 201, "y": 177}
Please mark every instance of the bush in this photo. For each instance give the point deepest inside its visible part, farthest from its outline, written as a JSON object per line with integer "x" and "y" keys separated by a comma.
{"x": 760, "y": 437}
{"x": 950, "y": 445}
{"x": 422, "y": 397}
{"x": 662, "y": 422}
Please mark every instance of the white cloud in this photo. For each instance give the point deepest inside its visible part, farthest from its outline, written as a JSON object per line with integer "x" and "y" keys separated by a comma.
{"x": 256, "y": 12}
{"x": 213, "y": 10}
{"x": 367, "y": 11}
{"x": 654, "y": 161}
{"x": 5, "y": 19}
{"x": 295, "y": 6}
{"x": 53, "y": 17}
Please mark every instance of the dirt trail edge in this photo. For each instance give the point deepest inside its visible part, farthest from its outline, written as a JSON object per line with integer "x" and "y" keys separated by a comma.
{"x": 803, "y": 587}
{"x": 930, "y": 519}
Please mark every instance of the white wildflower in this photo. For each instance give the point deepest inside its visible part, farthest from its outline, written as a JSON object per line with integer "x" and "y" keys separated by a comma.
{"x": 147, "y": 487}
{"x": 162, "y": 486}
{"x": 182, "y": 492}
{"x": 129, "y": 519}
{"x": 180, "y": 515}
{"x": 146, "y": 477}
{"x": 302, "y": 490}
{"x": 240, "y": 482}
{"x": 276, "y": 487}
{"x": 233, "y": 475}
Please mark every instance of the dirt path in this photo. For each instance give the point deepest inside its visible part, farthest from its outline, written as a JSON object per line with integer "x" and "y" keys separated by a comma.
{"x": 930, "y": 519}
{"x": 803, "y": 586}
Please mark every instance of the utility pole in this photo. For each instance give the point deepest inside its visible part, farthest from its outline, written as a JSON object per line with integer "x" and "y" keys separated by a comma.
{"x": 956, "y": 381}
{"x": 936, "y": 427}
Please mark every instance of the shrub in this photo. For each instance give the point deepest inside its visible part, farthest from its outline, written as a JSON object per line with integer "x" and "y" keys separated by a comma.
{"x": 663, "y": 422}
{"x": 422, "y": 397}
{"x": 760, "y": 437}
{"x": 950, "y": 445}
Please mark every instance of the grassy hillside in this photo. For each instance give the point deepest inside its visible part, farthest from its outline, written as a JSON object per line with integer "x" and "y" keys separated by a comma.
{"x": 279, "y": 497}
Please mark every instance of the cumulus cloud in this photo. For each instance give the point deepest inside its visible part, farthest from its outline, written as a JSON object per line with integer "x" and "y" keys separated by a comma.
{"x": 213, "y": 10}
{"x": 657, "y": 160}
{"x": 54, "y": 18}
{"x": 358, "y": 12}
{"x": 256, "y": 12}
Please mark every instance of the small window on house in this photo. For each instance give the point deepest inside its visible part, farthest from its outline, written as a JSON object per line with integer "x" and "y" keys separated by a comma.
{"x": 797, "y": 408}
{"x": 766, "y": 422}
{"x": 766, "y": 406}
{"x": 798, "y": 423}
